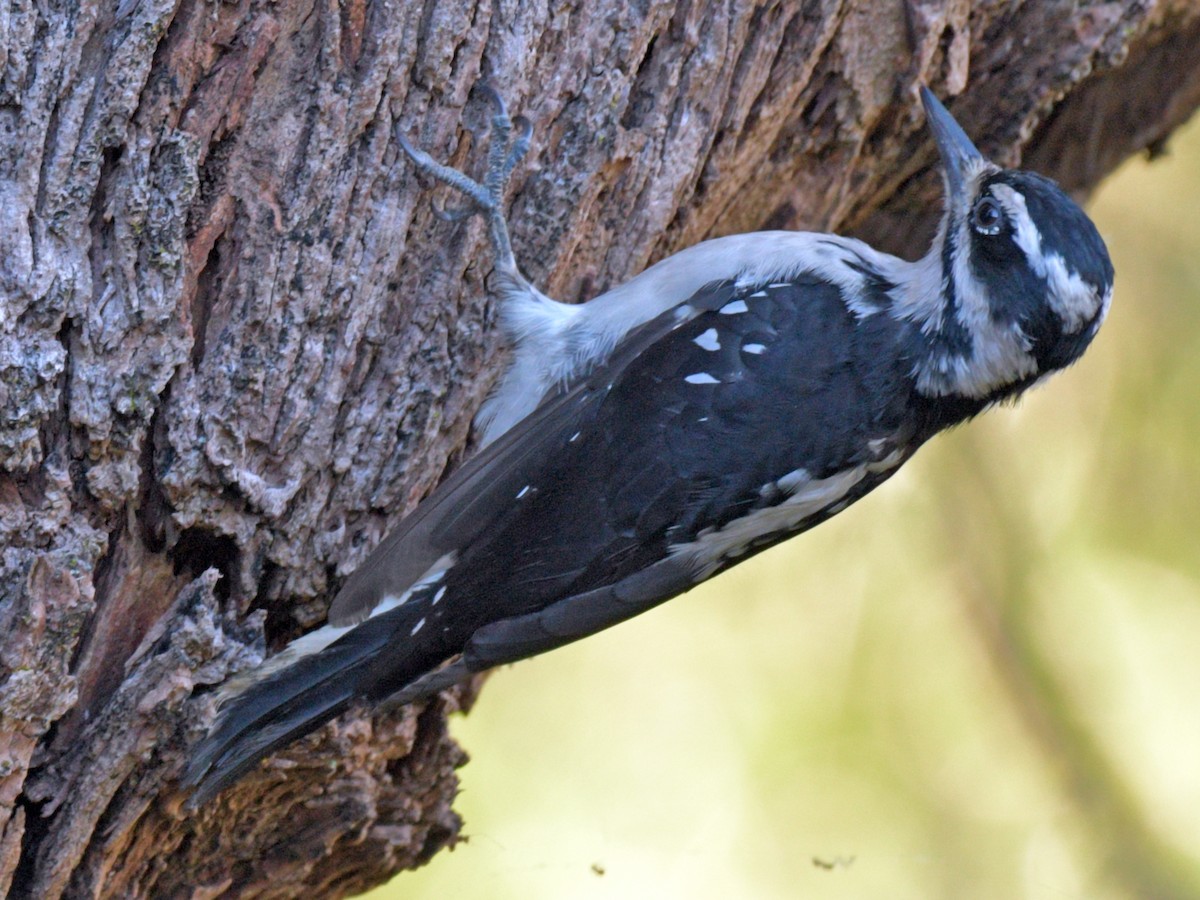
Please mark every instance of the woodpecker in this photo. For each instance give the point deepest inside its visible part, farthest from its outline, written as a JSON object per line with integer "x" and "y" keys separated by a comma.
{"x": 730, "y": 396}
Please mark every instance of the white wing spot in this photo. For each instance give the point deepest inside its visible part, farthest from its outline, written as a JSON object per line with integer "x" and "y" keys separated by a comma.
{"x": 792, "y": 481}
{"x": 890, "y": 461}
{"x": 417, "y": 627}
{"x": 758, "y": 294}
{"x": 806, "y": 497}
{"x": 756, "y": 349}
{"x": 734, "y": 308}
{"x": 708, "y": 341}
{"x": 701, "y": 378}
{"x": 702, "y": 419}
{"x": 574, "y": 437}
{"x": 523, "y": 492}
{"x": 780, "y": 284}
{"x": 441, "y": 592}
{"x": 431, "y": 577}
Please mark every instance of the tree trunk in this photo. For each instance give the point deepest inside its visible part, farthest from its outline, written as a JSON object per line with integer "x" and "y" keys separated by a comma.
{"x": 237, "y": 346}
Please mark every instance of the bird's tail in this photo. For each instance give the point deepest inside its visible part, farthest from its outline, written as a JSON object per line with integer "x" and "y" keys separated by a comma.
{"x": 281, "y": 703}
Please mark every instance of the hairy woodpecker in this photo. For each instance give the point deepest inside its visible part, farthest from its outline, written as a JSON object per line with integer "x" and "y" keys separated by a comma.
{"x": 728, "y": 397}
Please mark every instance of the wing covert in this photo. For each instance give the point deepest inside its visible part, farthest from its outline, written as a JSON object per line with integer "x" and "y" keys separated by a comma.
{"x": 480, "y": 494}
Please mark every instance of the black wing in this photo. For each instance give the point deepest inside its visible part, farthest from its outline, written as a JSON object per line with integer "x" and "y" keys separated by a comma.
{"x": 692, "y": 436}
{"x": 479, "y": 495}
{"x": 706, "y": 421}
{"x": 391, "y": 651}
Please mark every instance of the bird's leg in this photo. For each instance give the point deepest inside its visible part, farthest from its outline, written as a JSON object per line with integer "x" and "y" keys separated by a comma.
{"x": 504, "y": 152}
{"x": 534, "y": 324}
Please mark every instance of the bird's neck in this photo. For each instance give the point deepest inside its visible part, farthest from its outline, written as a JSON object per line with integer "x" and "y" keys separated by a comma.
{"x": 959, "y": 349}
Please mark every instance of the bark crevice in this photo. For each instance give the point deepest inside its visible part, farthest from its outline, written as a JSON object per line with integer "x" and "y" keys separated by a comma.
{"x": 236, "y": 347}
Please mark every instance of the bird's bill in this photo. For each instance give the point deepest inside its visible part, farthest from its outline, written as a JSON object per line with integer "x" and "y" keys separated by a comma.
{"x": 960, "y": 158}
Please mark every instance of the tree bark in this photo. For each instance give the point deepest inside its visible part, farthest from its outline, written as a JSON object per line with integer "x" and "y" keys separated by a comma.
{"x": 236, "y": 346}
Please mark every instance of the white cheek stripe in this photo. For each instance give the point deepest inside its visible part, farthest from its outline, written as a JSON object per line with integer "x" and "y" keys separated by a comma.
{"x": 1072, "y": 298}
{"x": 1000, "y": 352}
{"x": 1028, "y": 238}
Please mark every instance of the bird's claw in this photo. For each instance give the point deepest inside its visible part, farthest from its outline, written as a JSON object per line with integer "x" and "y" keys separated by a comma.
{"x": 489, "y": 90}
{"x": 452, "y": 215}
{"x": 504, "y": 152}
{"x": 520, "y": 146}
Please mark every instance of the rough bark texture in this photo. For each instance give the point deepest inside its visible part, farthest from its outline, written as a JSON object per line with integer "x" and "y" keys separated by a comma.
{"x": 236, "y": 346}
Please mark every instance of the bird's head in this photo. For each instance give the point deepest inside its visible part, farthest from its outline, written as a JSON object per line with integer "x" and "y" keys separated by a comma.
{"x": 1025, "y": 278}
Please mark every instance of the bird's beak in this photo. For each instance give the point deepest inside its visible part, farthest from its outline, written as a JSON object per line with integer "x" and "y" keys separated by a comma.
{"x": 960, "y": 159}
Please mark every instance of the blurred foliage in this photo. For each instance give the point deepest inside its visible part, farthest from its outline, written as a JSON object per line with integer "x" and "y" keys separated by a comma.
{"x": 983, "y": 680}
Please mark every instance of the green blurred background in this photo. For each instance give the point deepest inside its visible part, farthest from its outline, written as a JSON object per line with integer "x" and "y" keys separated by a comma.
{"x": 981, "y": 681}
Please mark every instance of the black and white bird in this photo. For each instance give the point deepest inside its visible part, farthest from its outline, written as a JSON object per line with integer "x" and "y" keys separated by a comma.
{"x": 728, "y": 397}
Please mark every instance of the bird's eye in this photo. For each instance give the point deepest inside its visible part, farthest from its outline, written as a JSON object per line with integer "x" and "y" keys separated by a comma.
{"x": 987, "y": 216}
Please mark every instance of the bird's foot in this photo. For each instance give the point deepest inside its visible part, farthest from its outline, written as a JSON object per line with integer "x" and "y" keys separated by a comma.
{"x": 505, "y": 150}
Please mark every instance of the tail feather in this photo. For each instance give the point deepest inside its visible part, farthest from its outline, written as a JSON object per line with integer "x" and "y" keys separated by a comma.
{"x": 268, "y": 713}
{"x": 233, "y": 749}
